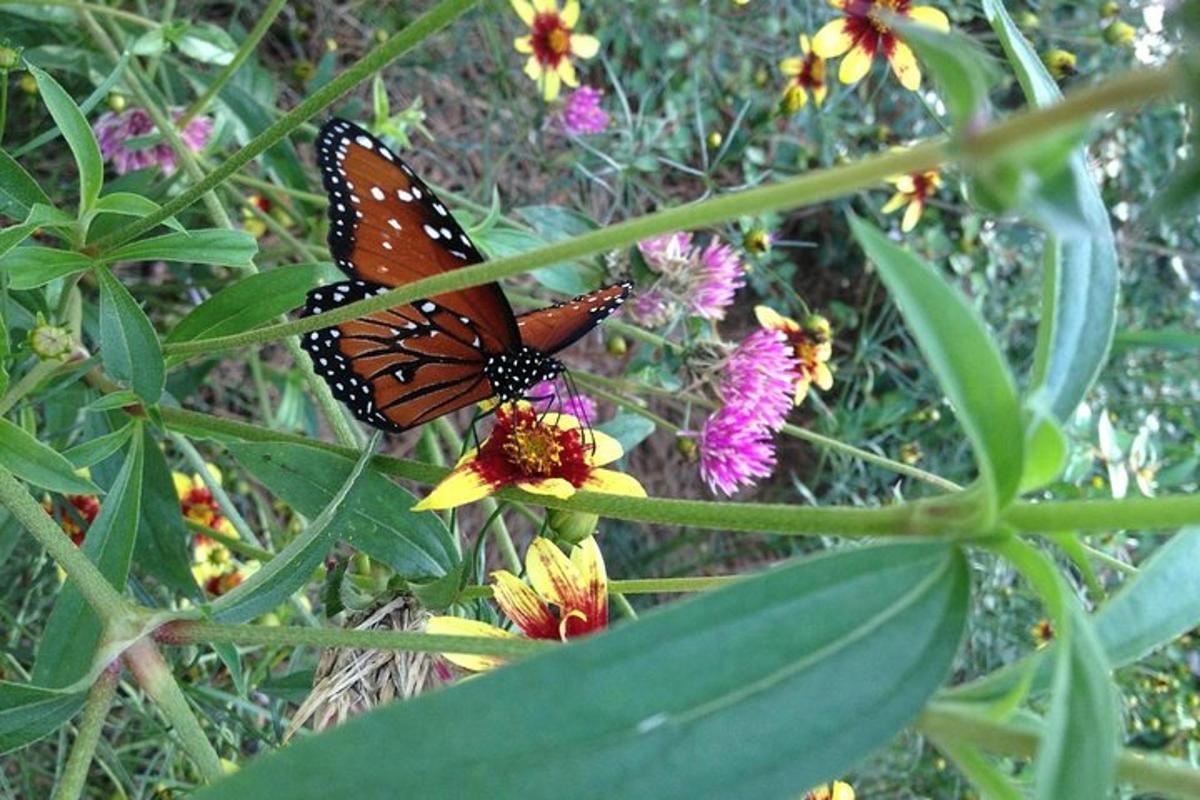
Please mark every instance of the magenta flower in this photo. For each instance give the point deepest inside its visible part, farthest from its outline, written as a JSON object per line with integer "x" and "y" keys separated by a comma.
{"x": 734, "y": 450}
{"x": 721, "y": 274}
{"x": 114, "y": 130}
{"x": 702, "y": 279}
{"x": 582, "y": 113}
{"x": 760, "y": 377}
{"x": 668, "y": 253}
{"x": 580, "y": 406}
{"x": 650, "y": 308}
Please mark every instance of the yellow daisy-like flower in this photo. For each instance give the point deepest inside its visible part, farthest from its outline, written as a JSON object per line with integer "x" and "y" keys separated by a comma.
{"x": 544, "y": 454}
{"x": 1043, "y": 633}
{"x": 912, "y": 190}
{"x": 806, "y": 75}
{"x": 552, "y": 42}
{"x": 565, "y": 598}
{"x": 197, "y": 502}
{"x": 838, "y": 790}
{"x": 864, "y": 31}
{"x": 812, "y": 347}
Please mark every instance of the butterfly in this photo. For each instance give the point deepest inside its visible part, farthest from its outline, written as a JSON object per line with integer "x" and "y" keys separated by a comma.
{"x": 404, "y": 366}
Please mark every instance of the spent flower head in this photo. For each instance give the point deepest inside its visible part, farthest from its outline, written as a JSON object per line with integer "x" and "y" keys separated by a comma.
{"x": 117, "y": 134}
{"x": 552, "y": 42}
{"x": 703, "y": 279}
{"x": 864, "y": 30}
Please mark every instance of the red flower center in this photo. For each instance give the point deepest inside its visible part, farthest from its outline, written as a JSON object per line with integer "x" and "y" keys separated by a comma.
{"x": 523, "y": 447}
{"x": 923, "y": 186}
{"x": 812, "y": 72}
{"x": 551, "y": 39}
{"x": 867, "y": 23}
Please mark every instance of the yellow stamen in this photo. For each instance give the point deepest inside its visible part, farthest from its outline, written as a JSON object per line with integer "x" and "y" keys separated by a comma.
{"x": 559, "y": 41}
{"x": 533, "y": 449}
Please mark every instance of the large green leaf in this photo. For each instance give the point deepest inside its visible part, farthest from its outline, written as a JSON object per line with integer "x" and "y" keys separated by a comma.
{"x": 1079, "y": 294}
{"x": 18, "y": 191}
{"x": 129, "y": 204}
{"x": 218, "y": 246}
{"x": 31, "y": 267}
{"x": 72, "y": 633}
{"x": 128, "y": 344}
{"x": 969, "y": 367}
{"x": 78, "y": 133}
{"x": 39, "y": 464}
{"x": 375, "y": 518}
{"x": 163, "y": 545}
{"x": 27, "y": 713}
{"x": 248, "y": 303}
{"x": 761, "y": 689}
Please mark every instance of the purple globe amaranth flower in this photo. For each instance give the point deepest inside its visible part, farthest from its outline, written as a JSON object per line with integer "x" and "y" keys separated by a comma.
{"x": 580, "y": 406}
{"x": 734, "y": 450}
{"x": 759, "y": 378}
{"x": 114, "y": 130}
{"x": 582, "y": 113}
{"x": 702, "y": 279}
{"x": 721, "y": 274}
{"x": 668, "y": 253}
{"x": 650, "y": 308}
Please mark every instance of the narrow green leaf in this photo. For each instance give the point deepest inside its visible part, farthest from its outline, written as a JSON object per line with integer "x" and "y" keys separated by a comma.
{"x": 99, "y": 93}
{"x": 78, "y": 133}
{"x": 207, "y": 44}
{"x": 628, "y": 713}
{"x": 39, "y": 464}
{"x": 19, "y": 192}
{"x": 969, "y": 367}
{"x": 963, "y": 71}
{"x": 31, "y": 267}
{"x": 163, "y": 548}
{"x": 1046, "y": 451}
{"x": 280, "y": 577}
{"x": 132, "y": 205}
{"x": 1173, "y": 340}
{"x": 118, "y": 399}
{"x": 27, "y": 713}
{"x": 72, "y": 632}
{"x": 991, "y": 783}
{"x": 218, "y": 246}
{"x": 128, "y": 344}
{"x": 375, "y": 518}
{"x": 85, "y": 454}
{"x": 250, "y": 302}
{"x": 12, "y": 236}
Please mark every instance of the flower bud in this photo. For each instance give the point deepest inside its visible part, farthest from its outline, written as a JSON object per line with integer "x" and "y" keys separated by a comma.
{"x": 714, "y": 140}
{"x": 303, "y": 70}
{"x": 910, "y": 453}
{"x": 757, "y": 241}
{"x": 1109, "y": 10}
{"x": 1027, "y": 20}
{"x": 794, "y": 99}
{"x": 616, "y": 345}
{"x": 1061, "y": 63}
{"x": 9, "y": 58}
{"x": 572, "y": 526}
{"x": 28, "y": 84}
{"x": 761, "y": 76}
{"x": 116, "y": 102}
{"x": 51, "y": 342}
{"x": 1120, "y": 34}
{"x": 686, "y": 447}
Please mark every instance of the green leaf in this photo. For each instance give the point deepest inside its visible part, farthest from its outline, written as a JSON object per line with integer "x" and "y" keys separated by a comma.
{"x": 982, "y": 773}
{"x": 969, "y": 367}
{"x": 132, "y": 205}
{"x": 163, "y": 548}
{"x": 27, "y": 713}
{"x": 218, "y": 246}
{"x": 207, "y": 44}
{"x": 375, "y": 518}
{"x": 19, "y": 192}
{"x": 290, "y": 569}
{"x": 39, "y": 464}
{"x": 627, "y": 428}
{"x": 31, "y": 267}
{"x": 96, "y": 450}
{"x": 128, "y": 344}
{"x": 78, "y": 133}
{"x": 1046, "y": 450}
{"x": 12, "y": 236}
{"x": 962, "y": 70}
{"x": 627, "y": 713}
{"x": 248, "y": 303}
{"x": 72, "y": 633}
{"x": 281, "y": 158}
{"x": 1079, "y": 292}
{"x": 1174, "y": 340}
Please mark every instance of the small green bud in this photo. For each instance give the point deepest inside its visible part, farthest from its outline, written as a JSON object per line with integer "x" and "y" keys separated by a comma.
{"x": 1109, "y": 10}
{"x": 1120, "y": 34}
{"x": 9, "y": 58}
{"x": 1061, "y": 63}
{"x": 51, "y": 342}
{"x": 1027, "y": 20}
{"x": 686, "y": 447}
{"x": 616, "y": 345}
{"x": 572, "y": 526}
{"x": 757, "y": 241}
{"x": 28, "y": 84}
{"x": 116, "y": 102}
{"x": 714, "y": 140}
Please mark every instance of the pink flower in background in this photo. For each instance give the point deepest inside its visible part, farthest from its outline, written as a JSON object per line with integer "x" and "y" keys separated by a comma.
{"x": 702, "y": 279}
{"x": 114, "y": 130}
{"x": 734, "y": 450}
{"x": 582, "y": 113}
{"x": 721, "y": 274}
{"x": 760, "y": 378}
{"x": 650, "y": 308}
{"x": 580, "y": 406}
{"x": 666, "y": 253}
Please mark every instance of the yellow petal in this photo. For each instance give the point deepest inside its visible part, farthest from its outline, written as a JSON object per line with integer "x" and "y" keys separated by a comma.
{"x": 898, "y": 199}
{"x": 928, "y": 15}
{"x": 553, "y": 576}
{"x": 570, "y": 13}
{"x": 457, "y": 626}
{"x": 823, "y": 377}
{"x": 534, "y": 70}
{"x": 802, "y": 385}
{"x": 904, "y": 64}
{"x": 522, "y": 44}
{"x": 524, "y": 10}
{"x": 550, "y": 85}
{"x": 566, "y": 71}
{"x": 546, "y": 6}
{"x": 791, "y": 66}
{"x": 911, "y": 216}
{"x": 584, "y": 45}
{"x": 523, "y": 606}
{"x": 605, "y": 450}
{"x": 463, "y": 485}
{"x": 832, "y": 40}
{"x": 818, "y": 92}
{"x": 183, "y": 484}
{"x": 609, "y": 481}
{"x": 842, "y": 791}
{"x": 854, "y": 66}
{"x": 555, "y": 487}
{"x": 904, "y": 184}
{"x": 589, "y": 563}
{"x": 805, "y": 45}
{"x": 770, "y": 318}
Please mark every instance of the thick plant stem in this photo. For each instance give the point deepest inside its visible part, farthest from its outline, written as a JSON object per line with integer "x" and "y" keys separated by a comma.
{"x": 154, "y": 676}
{"x": 1146, "y": 513}
{"x": 426, "y": 25}
{"x": 95, "y": 709}
{"x": 252, "y": 39}
{"x": 96, "y": 590}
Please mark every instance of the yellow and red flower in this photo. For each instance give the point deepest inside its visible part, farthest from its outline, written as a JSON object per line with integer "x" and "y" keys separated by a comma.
{"x": 812, "y": 347}
{"x": 552, "y": 42}
{"x": 838, "y": 790}
{"x": 544, "y": 454}
{"x": 76, "y": 516}
{"x": 213, "y": 565}
{"x": 806, "y": 75}
{"x": 565, "y": 598}
{"x": 864, "y": 30}
{"x": 912, "y": 190}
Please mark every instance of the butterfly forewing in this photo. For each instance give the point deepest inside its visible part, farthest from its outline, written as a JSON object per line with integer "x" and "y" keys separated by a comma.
{"x": 387, "y": 227}
{"x": 551, "y": 329}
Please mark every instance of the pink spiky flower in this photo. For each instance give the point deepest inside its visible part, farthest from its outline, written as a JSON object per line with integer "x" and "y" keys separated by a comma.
{"x": 734, "y": 450}
{"x": 719, "y": 275}
{"x": 760, "y": 377}
{"x": 114, "y": 130}
{"x": 582, "y": 113}
{"x": 577, "y": 405}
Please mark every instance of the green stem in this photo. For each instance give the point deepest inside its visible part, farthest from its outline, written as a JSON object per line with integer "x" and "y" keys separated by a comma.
{"x": 957, "y": 723}
{"x": 154, "y": 676}
{"x": 252, "y": 39}
{"x": 92, "y": 7}
{"x": 412, "y": 641}
{"x": 624, "y": 606}
{"x": 29, "y": 381}
{"x": 96, "y": 590}
{"x": 427, "y": 24}
{"x": 816, "y": 186}
{"x": 3, "y": 103}
{"x": 1137, "y": 513}
{"x": 1107, "y": 560}
{"x": 238, "y": 546}
{"x": 95, "y": 709}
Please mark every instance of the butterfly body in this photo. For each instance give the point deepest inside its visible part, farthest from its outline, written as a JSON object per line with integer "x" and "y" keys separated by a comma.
{"x": 406, "y": 365}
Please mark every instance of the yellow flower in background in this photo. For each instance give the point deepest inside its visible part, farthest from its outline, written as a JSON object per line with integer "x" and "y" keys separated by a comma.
{"x": 1060, "y": 63}
{"x": 912, "y": 190}
{"x": 806, "y": 76}
{"x": 552, "y": 42}
{"x": 544, "y": 454}
{"x": 565, "y": 598}
{"x": 197, "y": 502}
{"x": 1043, "y": 633}
{"x": 838, "y": 790}
{"x": 812, "y": 347}
{"x": 863, "y": 31}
